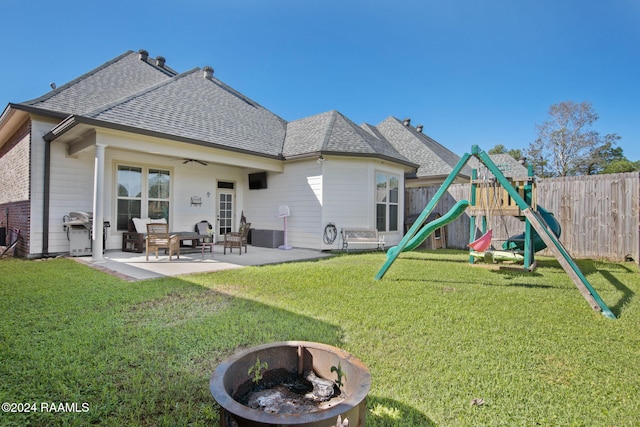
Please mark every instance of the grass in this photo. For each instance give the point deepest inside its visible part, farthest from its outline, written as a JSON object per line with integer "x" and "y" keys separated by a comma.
{"x": 435, "y": 333}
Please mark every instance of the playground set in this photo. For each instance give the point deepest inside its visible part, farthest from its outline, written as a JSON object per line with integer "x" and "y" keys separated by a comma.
{"x": 506, "y": 197}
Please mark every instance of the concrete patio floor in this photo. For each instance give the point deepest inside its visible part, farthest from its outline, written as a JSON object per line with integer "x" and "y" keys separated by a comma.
{"x": 133, "y": 266}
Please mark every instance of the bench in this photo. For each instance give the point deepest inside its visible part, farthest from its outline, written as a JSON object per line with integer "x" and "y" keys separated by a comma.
{"x": 361, "y": 237}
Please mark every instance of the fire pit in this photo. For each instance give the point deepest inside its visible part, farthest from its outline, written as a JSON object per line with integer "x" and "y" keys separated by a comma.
{"x": 345, "y": 379}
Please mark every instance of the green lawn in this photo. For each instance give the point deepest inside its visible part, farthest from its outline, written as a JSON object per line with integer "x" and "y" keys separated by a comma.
{"x": 435, "y": 333}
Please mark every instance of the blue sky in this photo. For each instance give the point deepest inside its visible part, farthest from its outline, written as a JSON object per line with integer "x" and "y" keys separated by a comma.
{"x": 471, "y": 71}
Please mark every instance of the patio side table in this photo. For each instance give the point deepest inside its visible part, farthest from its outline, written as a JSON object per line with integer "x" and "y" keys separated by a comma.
{"x": 208, "y": 241}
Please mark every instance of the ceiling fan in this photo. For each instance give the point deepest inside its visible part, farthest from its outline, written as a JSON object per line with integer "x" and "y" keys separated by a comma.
{"x": 194, "y": 160}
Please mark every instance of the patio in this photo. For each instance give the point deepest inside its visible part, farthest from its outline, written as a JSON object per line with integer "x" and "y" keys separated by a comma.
{"x": 133, "y": 266}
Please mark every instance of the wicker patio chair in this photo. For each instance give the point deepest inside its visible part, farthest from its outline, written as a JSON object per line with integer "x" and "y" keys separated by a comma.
{"x": 237, "y": 239}
{"x": 158, "y": 237}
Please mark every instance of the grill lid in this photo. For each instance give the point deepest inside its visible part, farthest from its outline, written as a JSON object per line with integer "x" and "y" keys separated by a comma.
{"x": 79, "y": 218}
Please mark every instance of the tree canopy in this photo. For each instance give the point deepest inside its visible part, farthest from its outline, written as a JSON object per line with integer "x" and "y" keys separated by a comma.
{"x": 516, "y": 153}
{"x": 567, "y": 144}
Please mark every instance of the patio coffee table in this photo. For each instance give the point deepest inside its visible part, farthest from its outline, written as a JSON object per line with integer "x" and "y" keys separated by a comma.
{"x": 189, "y": 235}
{"x": 134, "y": 242}
{"x": 207, "y": 241}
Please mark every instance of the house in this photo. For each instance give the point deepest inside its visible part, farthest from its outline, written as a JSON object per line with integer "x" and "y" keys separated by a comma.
{"x": 135, "y": 138}
{"x": 436, "y": 162}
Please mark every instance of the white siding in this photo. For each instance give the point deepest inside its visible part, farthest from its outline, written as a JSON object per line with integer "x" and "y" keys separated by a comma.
{"x": 71, "y": 189}
{"x": 73, "y": 180}
{"x": 350, "y": 195}
{"x": 339, "y": 191}
{"x": 300, "y": 188}
{"x": 187, "y": 180}
{"x": 38, "y": 129}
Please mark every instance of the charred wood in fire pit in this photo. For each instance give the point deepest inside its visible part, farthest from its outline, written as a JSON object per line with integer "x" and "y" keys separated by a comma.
{"x": 322, "y": 389}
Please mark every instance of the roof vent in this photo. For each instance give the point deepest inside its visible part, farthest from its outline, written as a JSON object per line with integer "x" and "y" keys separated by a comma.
{"x": 407, "y": 122}
{"x": 419, "y": 128}
{"x": 208, "y": 72}
{"x": 160, "y": 61}
{"x": 143, "y": 54}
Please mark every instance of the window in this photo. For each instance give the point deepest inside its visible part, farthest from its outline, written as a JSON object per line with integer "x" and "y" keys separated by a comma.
{"x": 387, "y": 187}
{"x": 142, "y": 193}
{"x": 129, "y": 195}
{"x": 158, "y": 200}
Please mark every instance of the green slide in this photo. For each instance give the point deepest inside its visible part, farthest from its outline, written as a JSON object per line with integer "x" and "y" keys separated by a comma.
{"x": 432, "y": 226}
{"x": 517, "y": 242}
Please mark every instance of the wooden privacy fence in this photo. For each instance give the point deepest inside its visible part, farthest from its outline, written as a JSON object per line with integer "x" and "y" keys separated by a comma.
{"x": 599, "y": 214}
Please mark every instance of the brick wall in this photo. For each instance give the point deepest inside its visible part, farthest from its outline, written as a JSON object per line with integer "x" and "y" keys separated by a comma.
{"x": 14, "y": 186}
{"x": 14, "y": 166}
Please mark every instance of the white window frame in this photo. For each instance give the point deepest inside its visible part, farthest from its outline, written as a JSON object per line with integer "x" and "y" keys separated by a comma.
{"x": 144, "y": 198}
{"x": 385, "y": 197}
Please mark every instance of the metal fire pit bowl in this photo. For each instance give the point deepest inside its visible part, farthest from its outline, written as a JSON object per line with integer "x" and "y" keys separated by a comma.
{"x": 294, "y": 356}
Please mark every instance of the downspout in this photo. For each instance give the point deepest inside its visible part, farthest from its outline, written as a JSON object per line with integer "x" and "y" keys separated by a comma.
{"x": 46, "y": 194}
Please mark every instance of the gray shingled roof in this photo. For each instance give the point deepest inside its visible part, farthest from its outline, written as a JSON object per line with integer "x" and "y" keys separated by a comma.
{"x": 510, "y": 167}
{"x": 116, "y": 79}
{"x": 197, "y": 108}
{"x": 434, "y": 159}
{"x": 134, "y": 93}
{"x": 332, "y": 132}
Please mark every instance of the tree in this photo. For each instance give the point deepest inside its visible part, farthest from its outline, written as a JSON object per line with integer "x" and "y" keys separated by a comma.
{"x": 620, "y": 166}
{"x": 598, "y": 159}
{"x": 566, "y": 144}
{"x": 516, "y": 153}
